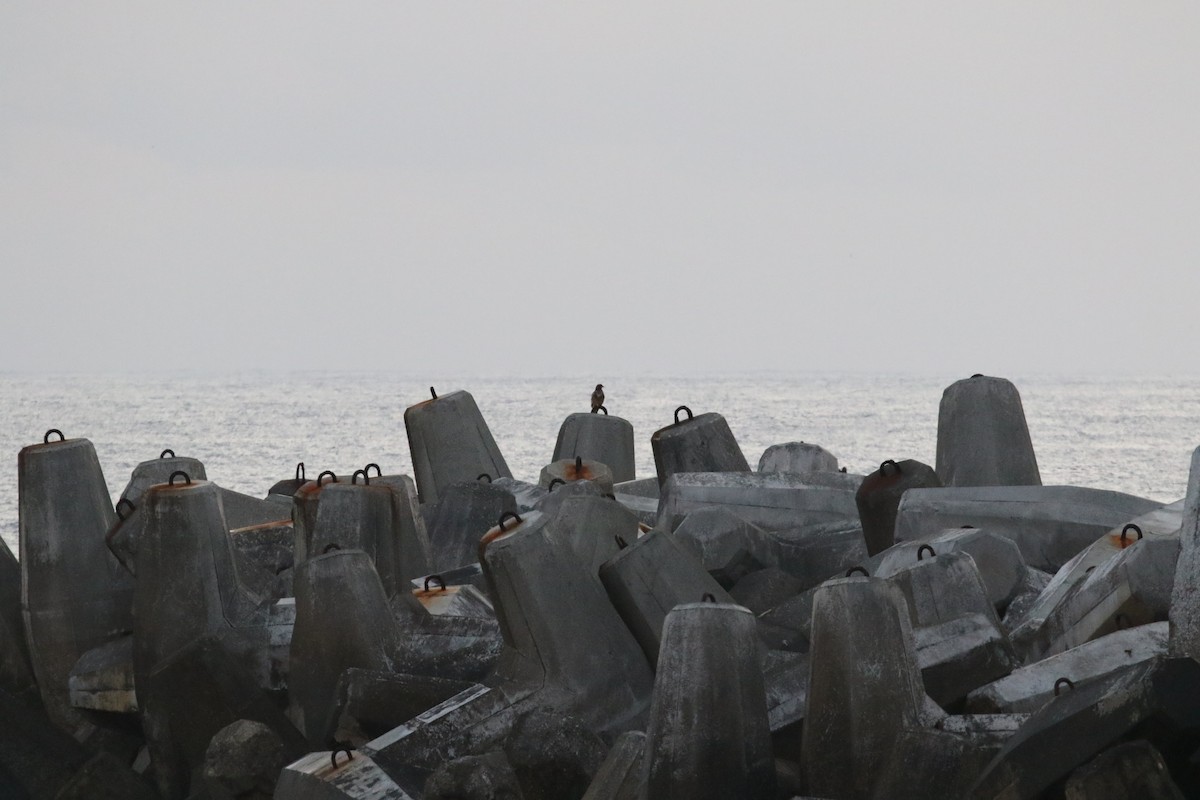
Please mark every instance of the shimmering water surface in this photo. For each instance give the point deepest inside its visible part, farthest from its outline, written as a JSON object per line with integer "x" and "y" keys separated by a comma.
{"x": 1130, "y": 434}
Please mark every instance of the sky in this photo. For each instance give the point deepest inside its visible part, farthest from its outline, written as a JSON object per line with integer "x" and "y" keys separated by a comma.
{"x": 541, "y": 189}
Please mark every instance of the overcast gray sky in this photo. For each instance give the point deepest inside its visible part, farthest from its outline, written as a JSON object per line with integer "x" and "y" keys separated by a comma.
{"x": 543, "y": 189}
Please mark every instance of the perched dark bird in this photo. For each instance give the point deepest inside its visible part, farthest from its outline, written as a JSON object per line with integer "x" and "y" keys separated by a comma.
{"x": 598, "y": 397}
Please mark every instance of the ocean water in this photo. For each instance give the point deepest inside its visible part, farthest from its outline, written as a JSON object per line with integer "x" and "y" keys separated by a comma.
{"x": 1133, "y": 435}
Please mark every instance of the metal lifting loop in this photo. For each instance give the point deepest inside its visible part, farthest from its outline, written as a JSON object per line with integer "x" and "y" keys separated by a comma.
{"x": 578, "y": 465}
{"x": 883, "y": 467}
{"x": 328, "y": 472}
{"x": 178, "y": 473}
{"x": 300, "y": 470}
{"x": 354, "y": 477}
{"x": 921, "y": 552}
{"x": 367, "y": 470}
{"x": 329, "y": 548}
{"x": 483, "y": 476}
{"x": 125, "y": 501}
{"x": 432, "y": 393}
{"x": 1058, "y": 684}
{"x": 708, "y": 597}
{"x": 977, "y": 375}
{"x": 600, "y": 408}
{"x": 859, "y": 568}
{"x": 168, "y": 453}
{"x": 555, "y": 482}
{"x": 1127, "y": 529}
{"x": 683, "y": 408}
{"x": 505, "y": 516}
{"x": 46, "y": 438}
{"x": 621, "y": 543}
{"x": 347, "y": 749}
{"x": 440, "y": 581}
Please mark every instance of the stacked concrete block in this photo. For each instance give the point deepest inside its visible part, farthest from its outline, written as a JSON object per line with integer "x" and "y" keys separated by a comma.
{"x": 600, "y": 438}
{"x": 449, "y": 443}
{"x": 797, "y": 457}
{"x": 770, "y": 500}
{"x": 983, "y": 439}
{"x": 577, "y": 469}
{"x": 696, "y": 444}
{"x": 879, "y": 497}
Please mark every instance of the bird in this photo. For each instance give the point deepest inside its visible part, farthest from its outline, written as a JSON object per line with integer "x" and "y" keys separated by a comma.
{"x": 598, "y": 397}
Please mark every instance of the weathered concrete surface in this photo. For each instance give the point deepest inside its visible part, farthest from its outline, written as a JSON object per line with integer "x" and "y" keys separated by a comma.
{"x": 464, "y": 514}
{"x": 594, "y": 671}
{"x": 577, "y": 469}
{"x": 864, "y": 687}
{"x": 16, "y": 669}
{"x": 553, "y": 755}
{"x": 814, "y": 553}
{"x": 1129, "y": 771}
{"x": 370, "y": 703}
{"x": 650, "y": 577}
{"x": 708, "y": 735}
{"x": 1050, "y": 524}
{"x": 1165, "y": 695}
{"x": 983, "y": 439}
{"x": 526, "y": 495}
{"x": 449, "y": 443}
{"x": 337, "y": 776}
{"x": 727, "y": 546}
{"x": 797, "y": 457}
{"x": 927, "y": 764}
{"x": 879, "y": 496}
{"x": 1185, "y": 594}
{"x": 484, "y": 777}
{"x": 770, "y": 500}
{"x": 1133, "y": 587}
{"x": 1030, "y": 687}
{"x": 598, "y": 437}
{"x": 74, "y": 594}
{"x": 764, "y": 589}
{"x": 621, "y": 776}
{"x": 701, "y": 443}
{"x": 243, "y": 761}
{"x": 103, "y": 679}
{"x": 593, "y": 528}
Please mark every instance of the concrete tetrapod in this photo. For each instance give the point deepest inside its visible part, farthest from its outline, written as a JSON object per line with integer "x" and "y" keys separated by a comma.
{"x": 983, "y": 439}
{"x": 651, "y": 576}
{"x": 1159, "y": 698}
{"x": 598, "y": 437}
{"x": 727, "y": 546}
{"x": 122, "y": 537}
{"x": 450, "y": 442}
{"x": 564, "y": 648}
{"x": 464, "y": 513}
{"x": 16, "y": 670}
{"x": 594, "y": 528}
{"x": 1050, "y": 524}
{"x": 708, "y": 735}
{"x": 770, "y": 500}
{"x": 879, "y": 496}
{"x": 74, "y": 594}
{"x": 379, "y": 519}
{"x": 864, "y": 685}
{"x": 1185, "y": 593}
{"x": 344, "y": 621}
{"x": 797, "y": 457}
{"x": 577, "y": 469}
{"x": 620, "y": 776}
{"x": 696, "y": 444}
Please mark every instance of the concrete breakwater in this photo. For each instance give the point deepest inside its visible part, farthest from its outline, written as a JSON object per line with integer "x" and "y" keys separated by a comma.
{"x": 710, "y": 631}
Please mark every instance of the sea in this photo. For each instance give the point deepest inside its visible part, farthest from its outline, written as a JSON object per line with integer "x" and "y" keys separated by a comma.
{"x": 1130, "y": 434}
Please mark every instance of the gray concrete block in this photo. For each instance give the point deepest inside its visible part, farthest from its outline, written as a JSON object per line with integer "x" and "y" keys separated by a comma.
{"x": 701, "y": 443}
{"x": 1030, "y": 687}
{"x": 1185, "y": 597}
{"x": 727, "y": 546}
{"x": 708, "y": 734}
{"x": 864, "y": 686}
{"x": 650, "y": 577}
{"x": 463, "y": 515}
{"x": 526, "y": 495}
{"x": 244, "y": 760}
{"x": 1050, "y": 524}
{"x": 370, "y": 703}
{"x": 553, "y": 755}
{"x": 770, "y": 500}
{"x": 550, "y": 502}
{"x": 103, "y": 679}
{"x": 814, "y": 553}
{"x": 1128, "y": 771}
{"x": 16, "y": 670}
{"x": 983, "y": 439}
{"x": 449, "y": 443}
{"x": 879, "y": 496}
{"x": 489, "y": 776}
{"x": 75, "y": 595}
{"x": 763, "y": 590}
{"x": 593, "y": 528}
{"x": 621, "y": 776}
{"x": 928, "y": 764}
{"x": 960, "y": 655}
{"x": 797, "y": 457}
{"x": 1080, "y": 722}
{"x": 577, "y": 469}
{"x": 598, "y": 437}
{"x": 339, "y": 776}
